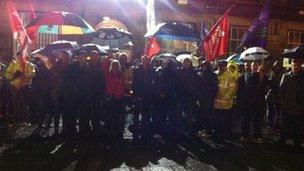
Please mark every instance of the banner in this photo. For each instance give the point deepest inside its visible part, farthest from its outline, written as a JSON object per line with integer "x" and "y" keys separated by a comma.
{"x": 216, "y": 42}
{"x": 19, "y": 33}
{"x": 152, "y": 47}
{"x": 256, "y": 36}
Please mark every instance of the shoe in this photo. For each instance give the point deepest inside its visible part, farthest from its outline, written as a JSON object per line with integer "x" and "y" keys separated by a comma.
{"x": 258, "y": 140}
{"x": 243, "y": 139}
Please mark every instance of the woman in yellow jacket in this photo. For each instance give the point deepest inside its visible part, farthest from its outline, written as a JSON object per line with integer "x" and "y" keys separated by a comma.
{"x": 224, "y": 100}
{"x": 20, "y": 73}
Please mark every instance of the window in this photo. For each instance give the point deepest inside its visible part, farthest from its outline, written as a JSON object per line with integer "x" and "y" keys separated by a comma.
{"x": 295, "y": 38}
{"x": 42, "y": 38}
{"x": 182, "y": 2}
{"x": 236, "y": 34}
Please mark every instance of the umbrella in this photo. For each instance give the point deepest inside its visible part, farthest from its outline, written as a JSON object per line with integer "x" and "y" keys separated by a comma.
{"x": 165, "y": 56}
{"x": 112, "y": 37}
{"x": 297, "y": 52}
{"x": 55, "y": 47}
{"x": 173, "y": 31}
{"x": 61, "y": 23}
{"x": 234, "y": 57}
{"x": 91, "y": 47}
{"x": 254, "y": 53}
{"x": 182, "y": 57}
{"x": 110, "y": 23}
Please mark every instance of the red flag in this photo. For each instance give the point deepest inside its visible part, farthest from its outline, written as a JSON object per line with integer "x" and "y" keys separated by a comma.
{"x": 152, "y": 47}
{"x": 216, "y": 42}
{"x": 17, "y": 28}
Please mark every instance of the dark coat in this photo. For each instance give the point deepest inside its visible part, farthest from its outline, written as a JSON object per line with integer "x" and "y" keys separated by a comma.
{"x": 95, "y": 80}
{"x": 165, "y": 83}
{"x": 75, "y": 87}
{"x": 41, "y": 83}
{"x": 143, "y": 82}
{"x": 251, "y": 91}
{"x": 292, "y": 93}
{"x": 188, "y": 82}
{"x": 208, "y": 86}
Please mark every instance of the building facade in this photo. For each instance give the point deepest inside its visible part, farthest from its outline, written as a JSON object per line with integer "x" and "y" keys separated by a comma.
{"x": 286, "y": 26}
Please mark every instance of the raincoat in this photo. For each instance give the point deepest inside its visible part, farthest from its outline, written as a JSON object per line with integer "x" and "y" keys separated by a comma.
{"x": 28, "y": 72}
{"x": 236, "y": 73}
{"x": 226, "y": 92}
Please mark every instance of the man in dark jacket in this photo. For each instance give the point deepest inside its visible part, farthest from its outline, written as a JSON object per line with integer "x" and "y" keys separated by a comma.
{"x": 96, "y": 89}
{"x": 41, "y": 93}
{"x": 142, "y": 86}
{"x": 187, "y": 91}
{"x": 165, "y": 93}
{"x": 272, "y": 99}
{"x": 292, "y": 103}
{"x": 57, "y": 78}
{"x": 75, "y": 91}
{"x": 208, "y": 86}
{"x": 251, "y": 101}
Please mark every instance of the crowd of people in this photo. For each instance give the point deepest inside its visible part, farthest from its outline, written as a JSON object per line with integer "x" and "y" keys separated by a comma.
{"x": 92, "y": 94}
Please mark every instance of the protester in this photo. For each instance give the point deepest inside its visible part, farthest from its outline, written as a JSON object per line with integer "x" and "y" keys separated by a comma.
{"x": 20, "y": 73}
{"x": 115, "y": 89}
{"x": 208, "y": 88}
{"x": 58, "y": 71}
{"x": 41, "y": 93}
{"x": 251, "y": 96}
{"x": 142, "y": 86}
{"x": 96, "y": 83}
{"x": 165, "y": 94}
{"x": 187, "y": 91}
{"x": 224, "y": 100}
{"x": 75, "y": 93}
{"x": 272, "y": 97}
{"x": 292, "y": 103}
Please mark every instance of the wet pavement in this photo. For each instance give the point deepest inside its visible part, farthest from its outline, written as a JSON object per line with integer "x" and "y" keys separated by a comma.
{"x": 23, "y": 147}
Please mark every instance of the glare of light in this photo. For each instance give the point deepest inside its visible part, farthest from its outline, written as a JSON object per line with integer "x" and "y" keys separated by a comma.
{"x": 106, "y": 19}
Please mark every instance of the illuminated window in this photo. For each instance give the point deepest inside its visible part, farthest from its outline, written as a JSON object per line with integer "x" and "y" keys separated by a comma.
{"x": 236, "y": 34}
{"x": 295, "y": 38}
{"x": 183, "y": 2}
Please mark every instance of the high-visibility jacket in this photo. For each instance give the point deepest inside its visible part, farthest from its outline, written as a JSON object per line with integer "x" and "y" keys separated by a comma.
{"x": 226, "y": 92}
{"x": 28, "y": 73}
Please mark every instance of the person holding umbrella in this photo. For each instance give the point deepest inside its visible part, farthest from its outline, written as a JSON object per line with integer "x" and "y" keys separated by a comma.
{"x": 142, "y": 87}
{"x": 58, "y": 69}
{"x": 291, "y": 93}
{"x": 251, "y": 96}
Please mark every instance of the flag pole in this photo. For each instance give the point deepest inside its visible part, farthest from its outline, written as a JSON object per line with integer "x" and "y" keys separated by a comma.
{"x": 219, "y": 20}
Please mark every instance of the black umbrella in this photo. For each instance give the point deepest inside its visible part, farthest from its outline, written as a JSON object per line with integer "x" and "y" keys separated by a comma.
{"x": 93, "y": 47}
{"x": 173, "y": 31}
{"x": 52, "y": 49}
{"x": 297, "y": 52}
{"x": 112, "y": 37}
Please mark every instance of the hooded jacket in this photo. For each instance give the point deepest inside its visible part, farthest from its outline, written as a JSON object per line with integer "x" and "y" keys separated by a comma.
{"x": 28, "y": 73}
{"x": 227, "y": 89}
